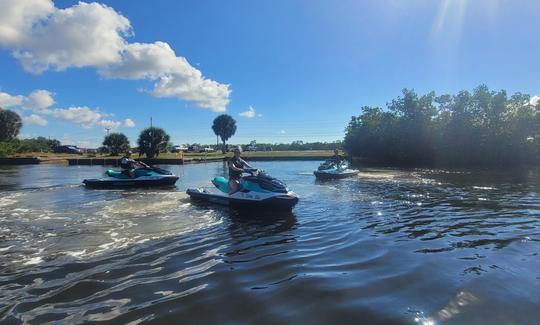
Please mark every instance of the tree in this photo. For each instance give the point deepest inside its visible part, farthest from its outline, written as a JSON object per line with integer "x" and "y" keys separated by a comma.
{"x": 224, "y": 126}
{"x": 39, "y": 144}
{"x": 152, "y": 141}
{"x": 10, "y": 124}
{"x": 482, "y": 127}
{"x": 117, "y": 143}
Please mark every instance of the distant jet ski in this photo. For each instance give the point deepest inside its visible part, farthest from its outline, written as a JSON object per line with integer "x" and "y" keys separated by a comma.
{"x": 331, "y": 170}
{"x": 256, "y": 191}
{"x": 143, "y": 177}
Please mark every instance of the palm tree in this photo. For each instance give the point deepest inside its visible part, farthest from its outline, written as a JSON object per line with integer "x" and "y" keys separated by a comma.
{"x": 151, "y": 141}
{"x": 116, "y": 142}
{"x": 224, "y": 126}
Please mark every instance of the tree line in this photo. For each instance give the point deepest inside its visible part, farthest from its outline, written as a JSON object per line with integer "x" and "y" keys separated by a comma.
{"x": 482, "y": 127}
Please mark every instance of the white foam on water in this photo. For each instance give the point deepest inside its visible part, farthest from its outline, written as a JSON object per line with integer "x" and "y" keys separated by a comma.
{"x": 9, "y": 199}
{"x": 33, "y": 260}
{"x": 4, "y": 249}
{"x": 487, "y": 188}
{"x": 76, "y": 254}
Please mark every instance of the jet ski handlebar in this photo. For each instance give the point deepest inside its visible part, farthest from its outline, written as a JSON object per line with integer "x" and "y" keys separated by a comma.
{"x": 253, "y": 171}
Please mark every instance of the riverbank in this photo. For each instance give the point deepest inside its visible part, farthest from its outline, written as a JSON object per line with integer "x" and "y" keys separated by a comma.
{"x": 163, "y": 159}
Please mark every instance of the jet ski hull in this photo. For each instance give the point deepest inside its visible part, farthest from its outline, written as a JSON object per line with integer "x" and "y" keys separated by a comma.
{"x": 335, "y": 175}
{"x": 242, "y": 200}
{"x": 144, "y": 181}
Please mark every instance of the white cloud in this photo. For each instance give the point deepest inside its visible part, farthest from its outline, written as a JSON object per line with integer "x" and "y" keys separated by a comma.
{"x": 535, "y": 100}
{"x": 34, "y": 119}
{"x": 17, "y": 18}
{"x": 41, "y": 102}
{"x": 128, "y": 123}
{"x": 203, "y": 92}
{"x": 44, "y": 37}
{"x": 145, "y": 61}
{"x": 38, "y": 100}
{"x": 282, "y": 132}
{"x": 111, "y": 125}
{"x": 84, "y": 116}
{"x": 7, "y": 101}
{"x": 86, "y": 34}
{"x": 250, "y": 113}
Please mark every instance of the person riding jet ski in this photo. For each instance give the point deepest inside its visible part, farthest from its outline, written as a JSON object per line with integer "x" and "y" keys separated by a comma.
{"x": 257, "y": 190}
{"x": 336, "y": 158}
{"x": 133, "y": 174}
{"x": 128, "y": 164}
{"x": 236, "y": 168}
{"x": 335, "y": 167}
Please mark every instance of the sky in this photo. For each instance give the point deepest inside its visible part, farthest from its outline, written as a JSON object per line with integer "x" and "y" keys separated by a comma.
{"x": 286, "y": 70}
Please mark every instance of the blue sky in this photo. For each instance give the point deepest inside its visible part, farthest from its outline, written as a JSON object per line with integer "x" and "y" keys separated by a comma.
{"x": 304, "y": 67}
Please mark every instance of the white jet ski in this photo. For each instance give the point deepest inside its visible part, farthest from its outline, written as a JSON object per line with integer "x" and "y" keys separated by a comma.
{"x": 256, "y": 191}
{"x": 331, "y": 170}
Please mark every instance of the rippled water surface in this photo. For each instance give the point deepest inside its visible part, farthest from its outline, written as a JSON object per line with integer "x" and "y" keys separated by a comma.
{"x": 389, "y": 246}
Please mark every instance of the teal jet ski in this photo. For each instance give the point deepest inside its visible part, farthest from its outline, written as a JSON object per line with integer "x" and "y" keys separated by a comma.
{"x": 257, "y": 190}
{"x": 331, "y": 170}
{"x": 142, "y": 177}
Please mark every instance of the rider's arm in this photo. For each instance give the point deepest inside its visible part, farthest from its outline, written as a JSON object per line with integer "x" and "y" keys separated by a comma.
{"x": 246, "y": 164}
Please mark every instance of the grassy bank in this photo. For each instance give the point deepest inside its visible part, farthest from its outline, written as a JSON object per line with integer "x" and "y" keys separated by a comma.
{"x": 46, "y": 157}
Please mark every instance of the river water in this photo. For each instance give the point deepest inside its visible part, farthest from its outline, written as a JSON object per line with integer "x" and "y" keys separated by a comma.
{"x": 388, "y": 246}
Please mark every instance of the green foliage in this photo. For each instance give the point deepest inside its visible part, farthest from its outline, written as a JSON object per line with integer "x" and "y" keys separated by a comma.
{"x": 152, "y": 141}
{"x": 39, "y": 144}
{"x": 224, "y": 126}
{"x": 299, "y": 146}
{"x": 116, "y": 143}
{"x": 479, "y": 128}
{"x": 10, "y": 125}
{"x": 8, "y": 148}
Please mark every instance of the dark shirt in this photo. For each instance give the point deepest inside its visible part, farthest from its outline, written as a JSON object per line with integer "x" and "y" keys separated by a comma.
{"x": 337, "y": 159}
{"x": 238, "y": 163}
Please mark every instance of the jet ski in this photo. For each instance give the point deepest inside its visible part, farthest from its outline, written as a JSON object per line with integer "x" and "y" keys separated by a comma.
{"x": 331, "y": 170}
{"x": 142, "y": 177}
{"x": 257, "y": 190}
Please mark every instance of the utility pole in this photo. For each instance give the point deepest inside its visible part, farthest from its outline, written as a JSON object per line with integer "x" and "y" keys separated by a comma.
{"x": 108, "y": 129}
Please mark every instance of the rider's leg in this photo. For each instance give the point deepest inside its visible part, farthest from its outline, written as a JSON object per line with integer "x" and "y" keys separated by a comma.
{"x": 233, "y": 184}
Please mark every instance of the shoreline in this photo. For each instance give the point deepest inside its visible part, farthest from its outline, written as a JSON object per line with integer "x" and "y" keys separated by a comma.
{"x": 167, "y": 159}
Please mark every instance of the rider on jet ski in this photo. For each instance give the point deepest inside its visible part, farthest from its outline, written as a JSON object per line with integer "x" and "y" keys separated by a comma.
{"x": 128, "y": 164}
{"x": 336, "y": 158}
{"x": 236, "y": 168}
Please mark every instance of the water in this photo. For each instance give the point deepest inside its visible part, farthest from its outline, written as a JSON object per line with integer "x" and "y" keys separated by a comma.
{"x": 390, "y": 246}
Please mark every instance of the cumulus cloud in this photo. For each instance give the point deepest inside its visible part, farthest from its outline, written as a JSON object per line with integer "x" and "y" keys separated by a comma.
{"x": 128, "y": 123}
{"x": 7, "y": 101}
{"x": 17, "y": 18}
{"x": 38, "y": 100}
{"x": 86, "y": 34}
{"x": 250, "y": 113}
{"x": 35, "y": 119}
{"x": 41, "y": 102}
{"x": 84, "y": 116}
{"x": 535, "y": 100}
{"x": 42, "y": 37}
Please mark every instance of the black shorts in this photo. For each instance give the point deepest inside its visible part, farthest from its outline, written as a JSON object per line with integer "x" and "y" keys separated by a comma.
{"x": 235, "y": 177}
